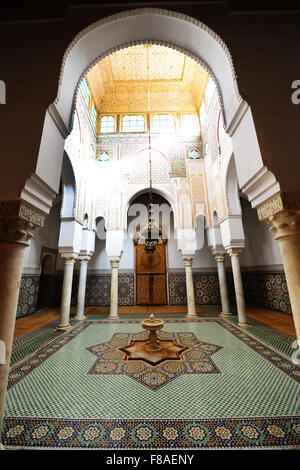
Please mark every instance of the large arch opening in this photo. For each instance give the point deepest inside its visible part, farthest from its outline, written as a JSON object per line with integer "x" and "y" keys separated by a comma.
{"x": 170, "y": 29}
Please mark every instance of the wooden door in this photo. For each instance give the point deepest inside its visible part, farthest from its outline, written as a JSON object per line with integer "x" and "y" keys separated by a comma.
{"x": 151, "y": 282}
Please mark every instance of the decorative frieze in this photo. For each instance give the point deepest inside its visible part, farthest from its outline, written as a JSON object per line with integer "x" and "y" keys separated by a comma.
{"x": 18, "y": 221}
{"x": 283, "y": 201}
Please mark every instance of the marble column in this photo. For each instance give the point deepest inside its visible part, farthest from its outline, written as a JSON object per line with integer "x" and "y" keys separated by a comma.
{"x": 17, "y": 226}
{"x": 286, "y": 230}
{"x": 220, "y": 260}
{"x": 234, "y": 254}
{"x": 84, "y": 260}
{"x": 188, "y": 262}
{"x": 70, "y": 259}
{"x": 114, "y": 294}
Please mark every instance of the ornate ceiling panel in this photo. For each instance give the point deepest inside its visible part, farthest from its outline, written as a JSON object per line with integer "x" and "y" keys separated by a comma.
{"x": 119, "y": 82}
{"x": 131, "y": 63}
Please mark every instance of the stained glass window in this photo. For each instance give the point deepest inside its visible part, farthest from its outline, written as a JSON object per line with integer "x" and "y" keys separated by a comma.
{"x": 133, "y": 123}
{"x": 163, "y": 123}
{"x": 107, "y": 124}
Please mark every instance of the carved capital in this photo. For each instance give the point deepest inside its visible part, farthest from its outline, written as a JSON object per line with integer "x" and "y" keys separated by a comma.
{"x": 285, "y": 225}
{"x": 114, "y": 261}
{"x": 18, "y": 221}
{"x": 219, "y": 255}
{"x": 220, "y": 258}
{"x": 84, "y": 259}
{"x": 188, "y": 260}
{"x": 283, "y": 201}
{"x": 69, "y": 258}
{"x": 234, "y": 252}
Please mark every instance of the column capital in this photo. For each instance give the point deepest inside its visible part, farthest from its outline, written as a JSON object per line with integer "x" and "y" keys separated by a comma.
{"x": 234, "y": 252}
{"x": 84, "y": 258}
{"x": 282, "y": 202}
{"x": 69, "y": 258}
{"x": 187, "y": 260}
{"x": 114, "y": 261}
{"x": 285, "y": 225}
{"x": 219, "y": 255}
{"x": 18, "y": 221}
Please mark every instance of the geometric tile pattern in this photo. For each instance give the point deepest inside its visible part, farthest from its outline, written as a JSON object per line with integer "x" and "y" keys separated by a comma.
{"x": 24, "y": 368}
{"x": 28, "y": 295}
{"x": 250, "y": 433}
{"x": 23, "y": 349}
{"x": 270, "y": 355}
{"x": 196, "y": 359}
{"x": 206, "y": 288}
{"x": 98, "y": 289}
{"x": 253, "y": 403}
{"x": 267, "y": 289}
{"x": 264, "y": 289}
{"x": 278, "y": 339}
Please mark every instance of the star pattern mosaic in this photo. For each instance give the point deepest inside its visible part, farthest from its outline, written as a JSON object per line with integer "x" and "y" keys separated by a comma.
{"x": 196, "y": 359}
{"x": 229, "y": 410}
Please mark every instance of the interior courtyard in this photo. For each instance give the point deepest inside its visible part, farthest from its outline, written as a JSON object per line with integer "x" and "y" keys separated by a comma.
{"x": 151, "y": 207}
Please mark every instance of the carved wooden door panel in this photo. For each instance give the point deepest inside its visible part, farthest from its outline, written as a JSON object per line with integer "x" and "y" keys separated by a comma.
{"x": 151, "y": 286}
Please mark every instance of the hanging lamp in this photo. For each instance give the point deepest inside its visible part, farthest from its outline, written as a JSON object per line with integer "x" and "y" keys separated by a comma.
{"x": 151, "y": 230}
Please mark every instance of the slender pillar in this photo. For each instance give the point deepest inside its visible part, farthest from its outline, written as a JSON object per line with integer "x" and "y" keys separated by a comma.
{"x": 16, "y": 229}
{"x": 286, "y": 230}
{"x": 114, "y": 262}
{"x": 70, "y": 259}
{"x": 81, "y": 287}
{"x": 188, "y": 262}
{"x": 220, "y": 258}
{"x": 234, "y": 254}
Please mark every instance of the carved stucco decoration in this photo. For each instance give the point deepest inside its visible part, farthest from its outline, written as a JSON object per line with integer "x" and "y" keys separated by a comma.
{"x": 18, "y": 221}
{"x": 154, "y": 11}
{"x": 283, "y": 201}
{"x": 119, "y": 81}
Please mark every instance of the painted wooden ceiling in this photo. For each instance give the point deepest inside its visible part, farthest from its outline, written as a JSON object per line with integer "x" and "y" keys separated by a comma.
{"x": 119, "y": 82}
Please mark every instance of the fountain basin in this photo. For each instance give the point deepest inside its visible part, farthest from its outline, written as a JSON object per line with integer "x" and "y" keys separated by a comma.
{"x": 152, "y": 325}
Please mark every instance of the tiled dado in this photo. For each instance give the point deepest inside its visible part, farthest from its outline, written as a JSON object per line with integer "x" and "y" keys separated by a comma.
{"x": 28, "y": 296}
{"x": 98, "y": 289}
{"x": 264, "y": 289}
{"x": 267, "y": 289}
{"x": 206, "y": 287}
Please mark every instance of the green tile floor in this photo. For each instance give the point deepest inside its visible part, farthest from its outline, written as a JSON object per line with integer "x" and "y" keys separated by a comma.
{"x": 249, "y": 385}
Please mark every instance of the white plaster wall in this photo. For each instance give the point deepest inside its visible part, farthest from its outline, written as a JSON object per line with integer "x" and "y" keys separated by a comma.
{"x": 260, "y": 247}
{"x": 100, "y": 261}
{"x": 46, "y": 236}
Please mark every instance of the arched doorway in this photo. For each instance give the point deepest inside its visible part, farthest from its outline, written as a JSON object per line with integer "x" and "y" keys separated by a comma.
{"x": 151, "y": 267}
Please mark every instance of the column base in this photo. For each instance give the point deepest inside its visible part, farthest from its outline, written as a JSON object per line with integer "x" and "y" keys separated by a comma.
{"x": 226, "y": 314}
{"x": 192, "y": 315}
{"x": 79, "y": 317}
{"x": 113, "y": 317}
{"x": 242, "y": 324}
{"x": 63, "y": 327}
